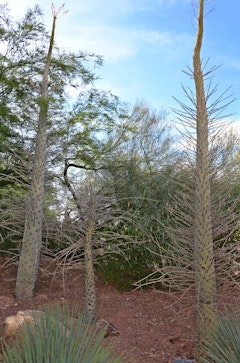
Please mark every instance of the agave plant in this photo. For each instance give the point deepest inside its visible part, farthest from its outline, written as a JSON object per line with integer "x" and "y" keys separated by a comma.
{"x": 57, "y": 338}
{"x": 225, "y": 345}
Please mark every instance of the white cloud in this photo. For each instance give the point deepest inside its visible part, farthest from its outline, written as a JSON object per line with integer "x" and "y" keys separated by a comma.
{"x": 117, "y": 7}
{"x": 19, "y": 8}
{"x": 75, "y": 31}
{"x": 81, "y": 29}
{"x": 119, "y": 43}
{"x": 112, "y": 43}
{"x": 103, "y": 8}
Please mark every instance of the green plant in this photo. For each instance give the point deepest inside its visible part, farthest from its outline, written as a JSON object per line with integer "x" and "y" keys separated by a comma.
{"x": 224, "y": 346}
{"x": 58, "y": 338}
{"x": 124, "y": 270}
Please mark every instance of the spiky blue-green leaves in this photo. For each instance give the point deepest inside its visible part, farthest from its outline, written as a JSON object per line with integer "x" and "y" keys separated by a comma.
{"x": 224, "y": 346}
{"x": 59, "y": 338}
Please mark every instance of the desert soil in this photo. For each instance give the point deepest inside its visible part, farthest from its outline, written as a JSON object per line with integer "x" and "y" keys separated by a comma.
{"x": 154, "y": 326}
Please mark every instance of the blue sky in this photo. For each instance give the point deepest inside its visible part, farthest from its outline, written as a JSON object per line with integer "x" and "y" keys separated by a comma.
{"x": 147, "y": 43}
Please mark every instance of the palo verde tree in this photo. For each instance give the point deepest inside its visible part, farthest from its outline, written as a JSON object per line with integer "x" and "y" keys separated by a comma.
{"x": 141, "y": 169}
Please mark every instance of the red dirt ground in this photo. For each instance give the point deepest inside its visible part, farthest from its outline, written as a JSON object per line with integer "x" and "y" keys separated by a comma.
{"x": 154, "y": 326}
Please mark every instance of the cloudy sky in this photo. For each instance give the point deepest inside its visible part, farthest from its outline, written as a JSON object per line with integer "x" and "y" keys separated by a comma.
{"x": 147, "y": 43}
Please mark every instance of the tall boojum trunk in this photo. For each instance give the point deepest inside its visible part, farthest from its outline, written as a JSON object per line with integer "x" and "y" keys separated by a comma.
{"x": 32, "y": 238}
{"x": 203, "y": 241}
{"x": 90, "y": 294}
{"x": 87, "y": 232}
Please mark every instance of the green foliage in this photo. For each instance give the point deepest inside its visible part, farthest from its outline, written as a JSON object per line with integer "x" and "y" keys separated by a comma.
{"x": 224, "y": 346}
{"x": 142, "y": 170}
{"x": 22, "y": 61}
{"x": 60, "y": 339}
{"x": 123, "y": 270}
{"x": 10, "y": 244}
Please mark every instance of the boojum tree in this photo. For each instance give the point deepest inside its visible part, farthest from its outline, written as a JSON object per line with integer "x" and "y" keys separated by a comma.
{"x": 32, "y": 238}
{"x": 205, "y": 277}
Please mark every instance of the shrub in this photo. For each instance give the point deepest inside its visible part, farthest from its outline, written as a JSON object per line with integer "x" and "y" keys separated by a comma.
{"x": 225, "y": 347}
{"x": 57, "y": 338}
{"x": 124, "y": 270}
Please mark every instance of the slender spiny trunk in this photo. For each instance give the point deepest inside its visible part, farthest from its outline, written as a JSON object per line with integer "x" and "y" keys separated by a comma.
{"x": 87, "y": 235}
{"x": 32, "y": 238}
{"x": 90, "y": 295}
{"x": 203, "y": 241}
